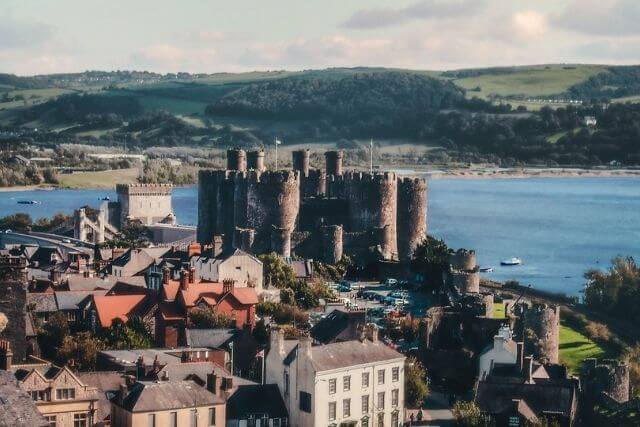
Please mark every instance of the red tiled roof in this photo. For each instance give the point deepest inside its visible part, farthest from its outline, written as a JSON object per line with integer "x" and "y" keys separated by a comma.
{"x": 115, "y": 306}
{"x": 245, "y": 296}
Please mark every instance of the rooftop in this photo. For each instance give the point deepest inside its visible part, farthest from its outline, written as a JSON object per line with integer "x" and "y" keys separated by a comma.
{"x": 146, "y": 396}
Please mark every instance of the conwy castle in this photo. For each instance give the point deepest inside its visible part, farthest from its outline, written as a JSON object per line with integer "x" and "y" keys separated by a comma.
{"x": 310, "y": 212}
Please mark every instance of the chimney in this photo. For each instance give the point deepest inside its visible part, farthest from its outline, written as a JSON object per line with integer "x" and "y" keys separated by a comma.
{"x": 527, "y": 368}
{"x": 305, "y": 346}
{"x": 166, "y": 275}
{"x": 211, "y": 383}
{"x": 184, "y": 281}
{"x": 194, "y": 249}
{"x": 362, "y": 333}
{"x": 276, "y": 341}
{"x": 372, "y": 332}
{"x": 192, "y": 274}
{"x": 227, "y": 383}
{"x": 156, "y": 365}
{"x": 227, "y": 285}
{"x": 520, "y": 354}
{"x": 6, "y": 355}
{"x": 122, "y": 394}
{"x": 129, "y": 380}
{"x": 140, "y": 371}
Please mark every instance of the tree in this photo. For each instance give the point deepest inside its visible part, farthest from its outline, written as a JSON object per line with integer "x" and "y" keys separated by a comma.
{"x": 134, "y": 334}
{"x": 468, "y": 414}
{"x": 276, "y": 272}
{"x": 431, "y": 260}
{"x": 615, "y": 292}
{"x": 415, "y": 386}
{"x": 51, "y": 335}
{"x": 20, "y": 222}
{"x": 207, "y": 318}
{"x": 82, "y": 348}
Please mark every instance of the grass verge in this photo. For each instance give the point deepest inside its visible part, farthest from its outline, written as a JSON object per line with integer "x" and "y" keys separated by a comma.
{"x": 575, "y": 347}
{"x": 101, "y": 179}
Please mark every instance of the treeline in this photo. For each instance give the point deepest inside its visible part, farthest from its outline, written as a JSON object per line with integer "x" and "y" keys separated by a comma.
{"x": 18, "y": 174}
{"x": 616, "y": 82}
{"x": 615, "y": 292}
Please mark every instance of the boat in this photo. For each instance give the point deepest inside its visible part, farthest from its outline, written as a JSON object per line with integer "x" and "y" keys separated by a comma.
{"x": 511, "y": 261}
{"x": 105, "y": 199}
{"x": 28, "y": 202}
{"x": 486, "y": 270}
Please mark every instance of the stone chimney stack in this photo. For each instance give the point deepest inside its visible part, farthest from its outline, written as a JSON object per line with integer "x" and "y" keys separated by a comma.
{"x": 184, "y": 280}
{"x": 140, "y": 371}
{"x": 276, "y": 341}
{"x": 227, "y": 285}
{"x": 211, "y": 383}
{"x": 527, "y": 368}
{"x": 372, "y": 332}
{"x": 362, "y": 333}
{"x": 305, "y": 346}
{"x": 122, "y": 394}
{"x": 6, "y": 355}
{"x": 192, "y": 274}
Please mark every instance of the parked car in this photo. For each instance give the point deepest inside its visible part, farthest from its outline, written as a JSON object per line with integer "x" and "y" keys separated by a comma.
{"x": 343, "y": 288}
{"x": 390, "y": 281}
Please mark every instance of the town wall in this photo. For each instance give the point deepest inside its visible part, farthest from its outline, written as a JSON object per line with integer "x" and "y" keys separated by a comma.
{"x": 412, "y": 215}
{"x": 544, "y": 321}
{"x": 606, "y": 376}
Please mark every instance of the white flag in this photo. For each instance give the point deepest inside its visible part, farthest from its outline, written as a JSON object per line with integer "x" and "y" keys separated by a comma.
{"x": 278, "y": 142}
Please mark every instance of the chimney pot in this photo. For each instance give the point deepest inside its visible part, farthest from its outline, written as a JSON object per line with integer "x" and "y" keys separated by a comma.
{"x": 184, "y": 281}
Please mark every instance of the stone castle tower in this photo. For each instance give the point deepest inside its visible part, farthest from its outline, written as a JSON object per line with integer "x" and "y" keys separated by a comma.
{"x": 610, "y": 377}
{"x": 544, "y": 321}
{"x": 321, "y": 214}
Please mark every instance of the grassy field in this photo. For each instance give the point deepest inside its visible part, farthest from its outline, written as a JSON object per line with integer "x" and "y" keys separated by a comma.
{"x": 531, "y": 81}
{"x": 575, "y": 347}
{"x": 102, "y": 179}
{"x": 498, "y": 310}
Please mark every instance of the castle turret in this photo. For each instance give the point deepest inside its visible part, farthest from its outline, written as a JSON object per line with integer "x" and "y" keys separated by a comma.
{"x": 331, "y": 243}
{"x": 610, "y": 377}
{"x": 467, "y": 282}
{"x": 281, "y": 241}
{"x": 255, "y": 160}
{"x": 334, "y": 162}
{"x": 300, "y": 160}
{"x": 544, "y": 322}
{"x": 463, "y": 260}
{"x": 412, "y": 216}
{"x": 236, "y": 160}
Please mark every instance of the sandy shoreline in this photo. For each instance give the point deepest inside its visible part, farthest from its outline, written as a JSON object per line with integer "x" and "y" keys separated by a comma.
{"x": 479, "y": 173}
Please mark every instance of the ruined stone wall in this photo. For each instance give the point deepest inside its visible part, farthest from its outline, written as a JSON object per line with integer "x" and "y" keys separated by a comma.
{"x": 300, "y": 161}
{"x": 466, "y": 281}
{"x": 607, "y": 376}
{"x": 243, "y": 239}
{"x": 331, "y": 243}
{"x": 281, "y": 241}
{"x": 463, "y": 260}
{"x": 412, "y": 215}
{"x": 544, "y": 321}
{"x": 236, "y": 160}
{"x": 313, "y": 184}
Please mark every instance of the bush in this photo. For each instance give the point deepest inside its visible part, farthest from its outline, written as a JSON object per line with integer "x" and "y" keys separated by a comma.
{"x": 206, "y": 318}
{"x": 468, "y": 414}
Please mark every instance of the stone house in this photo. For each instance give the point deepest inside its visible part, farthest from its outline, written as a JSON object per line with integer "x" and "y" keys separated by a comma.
{"x": 358, "y": 382}
{"x": 242, "y": 267}
{"x": 503, "y": 351}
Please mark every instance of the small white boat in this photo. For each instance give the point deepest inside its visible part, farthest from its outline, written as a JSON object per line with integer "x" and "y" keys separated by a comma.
{"x": 486, "y": 270}
{"x": 511, "y": 261}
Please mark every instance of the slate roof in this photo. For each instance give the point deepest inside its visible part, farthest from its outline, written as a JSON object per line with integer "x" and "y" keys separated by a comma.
{"x": 256, "y": 399}
{"x": 337, "y": 322}
{"x": 128, "y": 358}
{"x": 17, "y": 409}
{"x": 211, "y": 338}
{"x": 302, "y": 268}
{"x": 70, "y": 300}
{"x": 146, "y": 396}
{"x": 107, "y": 383}
{"x": 338, "y": 355}
{"x": 42, "y": 302}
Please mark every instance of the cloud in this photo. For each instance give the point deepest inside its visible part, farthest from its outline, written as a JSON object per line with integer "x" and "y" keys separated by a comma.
{"x": 15, "y": 34}
{"x": 610, "y": 51}
{"x": 529, "y": 24}
{"x": 601, "y": 18}
{"x": 424, "y": 9}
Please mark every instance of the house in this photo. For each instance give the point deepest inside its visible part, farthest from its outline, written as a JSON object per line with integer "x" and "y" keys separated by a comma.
{"x": 339, "y": 325}
{"x": 60, "y": 396}
{"x": 16, "y": 406}
{"x": 504, "y": 350}
{"x": 168, "y": 403}
{"x": 303, "y": 269}
{"x": 141, "y": 362}
{"x": 256, "y": 405}
{"x": 104, "y": 309}
{"x": 135, "y": 262}
{"x": 72, "y": 303}
{"x": 242, "y": 267}
{"x": 107, "y": 385}
{"x": 218, "y": 341}
{"x": 590, "y": 121}
{"x": 358, "y": 382}
{"x": 524, "y": 393}
{"x": 41, "y": 306}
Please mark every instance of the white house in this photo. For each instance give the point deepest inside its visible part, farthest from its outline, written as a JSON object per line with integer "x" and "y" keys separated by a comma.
{"x": 351, "y": 383}
{"x": 238, "y": 265}
{"x": 504, "y": 351}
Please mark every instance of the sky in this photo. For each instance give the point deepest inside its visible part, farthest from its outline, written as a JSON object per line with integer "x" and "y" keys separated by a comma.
{"x": 49, "y": 36}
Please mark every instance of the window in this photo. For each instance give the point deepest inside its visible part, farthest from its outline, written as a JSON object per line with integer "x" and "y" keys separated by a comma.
{"x": 346, "y": 383}
{"x": 305, "y": 402}
{"x": 514, "y": 421}
{"x": 365, "y": 404}
{"x": 51, "y": 419}
{"x": 194, "y": 418}
{"x": 151, "y": 420}
{"x": 381, "y": 400}
{"x": 395, "y": 374}
{"x": 173, "y": 419}
{"x": 346, "y": 408}
{"x": 380, "y": 420}
{"x": 365, "y": 379}
{"x": 79, "y": 420}
{"x": 381, "y": 376}
{"x": 332, "y": 386}
{"x": 40, "y": 395}
{"x": 394, "y": 419}
{"x": 212, "y": 416}
{"x": 65, "y": 393}
{"x": 332, "y": 410}
{"x": 286, "y": 383}
{"x": 365, "y": 422}
{"x": 394, "y": 397}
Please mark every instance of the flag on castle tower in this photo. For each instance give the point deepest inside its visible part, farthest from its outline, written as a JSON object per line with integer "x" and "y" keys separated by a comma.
{"x": 278, "y": 142}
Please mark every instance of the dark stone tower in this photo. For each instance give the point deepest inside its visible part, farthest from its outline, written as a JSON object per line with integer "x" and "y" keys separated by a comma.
{"x": 412, "y": 215}
{"x": 334, "y": 162}
{"x": 331, "y": 243}
{"x": 544, "y": 321}
{"x": 236, "y": 160}
{"x": 610, "y": 377}
{"x": 300, "y": 160}
{"x": 255, "y": 160}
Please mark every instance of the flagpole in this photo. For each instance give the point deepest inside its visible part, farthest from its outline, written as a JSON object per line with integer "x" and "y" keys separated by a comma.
{"x": 276, "y": 153}
{"x": 263, "y": 356}
{"x": 371, "y": 156}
